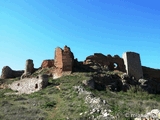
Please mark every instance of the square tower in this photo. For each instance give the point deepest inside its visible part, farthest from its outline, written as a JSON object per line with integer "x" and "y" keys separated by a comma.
{"x": 133, "y": 64}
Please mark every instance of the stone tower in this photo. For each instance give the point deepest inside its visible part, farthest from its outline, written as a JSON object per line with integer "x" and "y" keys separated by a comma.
{"x": 63, "y": 61}
{"x": 133, "y": 64}
{"x": 29, "y": 68}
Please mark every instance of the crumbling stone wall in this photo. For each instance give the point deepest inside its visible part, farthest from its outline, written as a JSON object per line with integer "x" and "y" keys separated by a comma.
{"x": 106, "y": 61}
{"x": 119, "y": 63}
{"x": 63, "y": 61}
{"x": 29, "y": 68}
{"x": 58, "y": 58}
{"x": 150, "y": 73}
{"x": 133, "y": 64}
{"x": 153, "y": 79}
{"x": 30, "y": 85}
{"x": 17, "y": 73}
{"x": 47, "y": 64}
{"x": 68, "y": 59}
{"x": 7, "y": 72}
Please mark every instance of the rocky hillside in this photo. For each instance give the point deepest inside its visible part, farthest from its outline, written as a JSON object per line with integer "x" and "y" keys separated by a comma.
{"x": 99, "y": 88}
{"x": 82, "y": 96}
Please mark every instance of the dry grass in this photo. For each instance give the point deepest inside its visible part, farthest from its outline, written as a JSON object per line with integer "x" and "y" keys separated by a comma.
{"x": 60, "y": 101}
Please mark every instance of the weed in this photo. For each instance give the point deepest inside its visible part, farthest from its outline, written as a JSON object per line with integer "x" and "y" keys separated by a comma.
{"x": 53, "y": 104}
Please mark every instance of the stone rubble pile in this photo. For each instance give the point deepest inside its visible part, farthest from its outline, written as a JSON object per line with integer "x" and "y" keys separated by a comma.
{"x": 96, "y": 104}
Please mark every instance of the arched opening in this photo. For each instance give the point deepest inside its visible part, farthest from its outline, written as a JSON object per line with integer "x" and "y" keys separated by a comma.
{"x": 36, "y": 86}
{"x": 115, "y": 65}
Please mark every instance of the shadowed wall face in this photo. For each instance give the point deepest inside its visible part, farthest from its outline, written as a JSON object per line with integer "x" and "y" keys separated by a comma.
{"x": 113, "y": 63}
{"x": 29, "y": 68}
{"x": 7, "y": 72}
{"x": 133, "y": 64}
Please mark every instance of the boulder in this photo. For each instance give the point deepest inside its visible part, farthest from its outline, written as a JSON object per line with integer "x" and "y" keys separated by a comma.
{"x": 143, "y": 82}
{"x": 125, "y": 76}
{"x": 89, "y": 83}
{"x": 153, "y": 115}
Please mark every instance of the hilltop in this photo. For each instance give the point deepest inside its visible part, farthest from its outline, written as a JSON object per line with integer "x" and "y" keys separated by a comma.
{"x": 100, "y": 87}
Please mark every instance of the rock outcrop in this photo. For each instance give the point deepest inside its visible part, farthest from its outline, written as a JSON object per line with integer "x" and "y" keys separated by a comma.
{"x": 30, "y": 85}
{"x": 47, "y": 64}
{"x": 98, "y": 107}
{"x": 64, "y": 60}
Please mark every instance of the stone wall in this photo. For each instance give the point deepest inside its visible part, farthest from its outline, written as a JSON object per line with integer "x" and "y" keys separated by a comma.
{"x": 58, "y": 58}
{"x": 63, "y": 61}
{"x": 68, "y": 59}
{"x": 133, "y": 64}
{"x": 7, "y": 72}
{"x": 113, "y": 63}
{"x": 47, "y": 64}
{"x": 17, "y": 73}
{"x": 29, "y": 85}
{"x": 150, "y": 73}
{"x": 153, "y": 79}
{"x": 29, "y": 69}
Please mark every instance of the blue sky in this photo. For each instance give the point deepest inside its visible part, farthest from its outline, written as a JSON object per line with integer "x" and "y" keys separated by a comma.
{"x": 32, "y": 29}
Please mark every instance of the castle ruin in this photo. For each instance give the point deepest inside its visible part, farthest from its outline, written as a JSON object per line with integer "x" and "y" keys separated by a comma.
{"x": 64, "y": 60}
{"x": 29, "y": 68}
{"x": 133, "y": 64}
{"x": 30, "y": 85}
{"x": 64, "y": 64}
{"x": 113, "y": 63}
